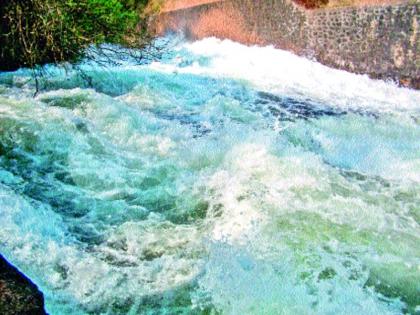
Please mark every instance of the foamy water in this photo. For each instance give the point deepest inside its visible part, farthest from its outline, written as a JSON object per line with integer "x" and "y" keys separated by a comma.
{"x": 222, "y": 179}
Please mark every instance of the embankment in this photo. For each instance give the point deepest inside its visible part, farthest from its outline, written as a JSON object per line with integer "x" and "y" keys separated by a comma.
{"x": 381, "y": 41}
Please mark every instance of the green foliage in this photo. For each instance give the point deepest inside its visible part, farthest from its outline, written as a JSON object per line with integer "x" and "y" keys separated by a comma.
{"x": 100, "y": 20}
{"x": 134, "y": 4}
{"x": 35, "y": 32}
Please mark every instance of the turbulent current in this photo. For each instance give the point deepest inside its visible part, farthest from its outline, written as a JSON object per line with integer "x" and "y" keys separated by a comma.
{"x": 221, "y": 179}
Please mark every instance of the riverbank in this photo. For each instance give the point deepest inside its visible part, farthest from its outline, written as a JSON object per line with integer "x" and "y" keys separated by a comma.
{"x": 381, "y": 41}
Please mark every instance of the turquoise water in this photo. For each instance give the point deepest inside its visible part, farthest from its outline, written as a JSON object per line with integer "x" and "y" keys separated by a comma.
{"x": 222, "y": 179}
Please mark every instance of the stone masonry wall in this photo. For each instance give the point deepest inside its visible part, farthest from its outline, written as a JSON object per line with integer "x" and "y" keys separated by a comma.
{"x": 381, "y": 41}
{"x": 277, "y": 22}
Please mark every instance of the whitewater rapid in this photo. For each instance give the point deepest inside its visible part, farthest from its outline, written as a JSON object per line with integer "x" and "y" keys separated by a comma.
{"x": 221, "y": 179}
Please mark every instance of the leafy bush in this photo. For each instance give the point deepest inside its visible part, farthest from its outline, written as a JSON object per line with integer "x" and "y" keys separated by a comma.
{"x": 35, "y": 32}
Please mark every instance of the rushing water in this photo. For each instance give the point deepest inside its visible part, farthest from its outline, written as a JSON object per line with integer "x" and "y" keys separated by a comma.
{"x": 222, "y": 179}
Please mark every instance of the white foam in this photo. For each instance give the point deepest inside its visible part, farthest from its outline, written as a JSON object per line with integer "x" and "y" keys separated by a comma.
{"x": 284, "y": 73}
{"x": 181, "y": 171}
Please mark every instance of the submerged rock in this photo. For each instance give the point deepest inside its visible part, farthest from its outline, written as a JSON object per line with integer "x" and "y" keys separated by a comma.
{"x": 18, "y": 294}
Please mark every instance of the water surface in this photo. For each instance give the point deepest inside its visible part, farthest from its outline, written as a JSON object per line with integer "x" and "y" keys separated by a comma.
{"x": 222, "y": 179}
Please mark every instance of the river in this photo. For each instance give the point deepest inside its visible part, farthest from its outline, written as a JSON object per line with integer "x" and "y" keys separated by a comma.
{"x": 221, "y": 179}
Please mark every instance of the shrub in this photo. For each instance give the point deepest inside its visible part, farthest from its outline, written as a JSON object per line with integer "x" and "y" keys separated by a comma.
{"x": 36, "y": 32}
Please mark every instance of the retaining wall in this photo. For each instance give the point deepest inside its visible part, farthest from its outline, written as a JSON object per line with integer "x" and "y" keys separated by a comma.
{"x": 382, "y": 41}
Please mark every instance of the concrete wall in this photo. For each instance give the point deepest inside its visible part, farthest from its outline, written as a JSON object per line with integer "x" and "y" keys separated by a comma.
{"x": 381, "y": 41}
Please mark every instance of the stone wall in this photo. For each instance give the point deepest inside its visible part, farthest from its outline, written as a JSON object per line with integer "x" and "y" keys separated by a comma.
{"x": 382, "y": 41}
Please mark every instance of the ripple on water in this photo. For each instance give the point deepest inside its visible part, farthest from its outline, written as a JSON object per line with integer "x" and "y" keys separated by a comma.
{"x": 189, "y": 186}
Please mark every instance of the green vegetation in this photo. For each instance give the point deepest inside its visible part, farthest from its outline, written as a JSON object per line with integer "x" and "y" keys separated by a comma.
{"x": 36, "y": 32}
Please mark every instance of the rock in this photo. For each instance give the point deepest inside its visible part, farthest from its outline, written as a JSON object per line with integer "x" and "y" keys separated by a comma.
{"x": 18, "y": 294}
